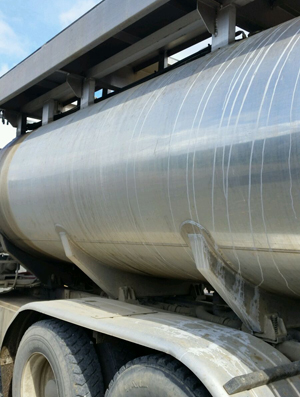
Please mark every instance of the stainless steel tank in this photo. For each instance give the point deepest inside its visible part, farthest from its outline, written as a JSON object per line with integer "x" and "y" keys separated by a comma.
{"x": 216, "y": 141}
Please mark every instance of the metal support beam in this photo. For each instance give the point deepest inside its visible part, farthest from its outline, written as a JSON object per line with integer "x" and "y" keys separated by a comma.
{"x": 49, "y": 111}
{"x": 110, "y": 280}
{"x": 105, "y": 84}
{"x": 163, "y": 60}
{"x": 88, "y": 93}
{"x": 62, "y": 93}
{"x": 208, "y": 14}
{"x": 239, "y": 3}
{"x": 75, "y": 83}
{"x": 225, "y": 29}
{"x": 126, "y": 37}
{"x": 261, "y": 312}
{"x": 22, "y": 121}
{"x": 119, "y": 79}
{"x": 154, "y": 42}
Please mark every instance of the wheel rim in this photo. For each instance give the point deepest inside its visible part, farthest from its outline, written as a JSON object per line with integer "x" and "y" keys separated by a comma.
{"x": 38, "y": 379}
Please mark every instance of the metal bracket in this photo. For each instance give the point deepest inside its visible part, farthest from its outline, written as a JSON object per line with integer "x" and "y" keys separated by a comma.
{"x": 110, "y": 279}
{"x": 88, "y": 93}
{"x": 219, "y": 21}
{"x": 209, "y": 15}
{"x": 274, "y": 328}
{"x": 225, "y": 27}
{"x": 44, "y": 270}
{"x": 260, "y": 311}
{"x": 76, "y": 84}
{"x": 163, "y": 60}
{"x": 21, "y": 126}
{"x": 50, "y": 109}
{"x": 127, "y": 294}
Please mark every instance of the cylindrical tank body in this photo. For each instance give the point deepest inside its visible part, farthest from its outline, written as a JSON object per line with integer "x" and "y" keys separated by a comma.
{"x": 216, "y": 141}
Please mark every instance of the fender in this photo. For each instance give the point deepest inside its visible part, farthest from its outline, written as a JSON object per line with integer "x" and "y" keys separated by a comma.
{"x": 214, "y": 353}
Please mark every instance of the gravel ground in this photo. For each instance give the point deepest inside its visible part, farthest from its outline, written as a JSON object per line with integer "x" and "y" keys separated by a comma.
{"x": 1, "y": 395}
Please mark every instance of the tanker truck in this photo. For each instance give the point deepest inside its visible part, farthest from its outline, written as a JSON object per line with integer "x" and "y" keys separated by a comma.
{"x": 150, "y": 236}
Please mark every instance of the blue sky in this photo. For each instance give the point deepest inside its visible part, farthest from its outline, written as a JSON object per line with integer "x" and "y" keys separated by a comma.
{"x": 25, "y": 25}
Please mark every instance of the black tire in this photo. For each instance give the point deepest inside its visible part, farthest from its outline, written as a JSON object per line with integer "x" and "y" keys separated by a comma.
{"x": 57, "y": 357}
{"x": 156, "y": 375}
{"x": 113, "y": 355}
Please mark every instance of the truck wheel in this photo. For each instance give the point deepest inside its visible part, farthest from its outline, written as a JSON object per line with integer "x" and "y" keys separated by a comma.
{"x": 113, "y": 355}
{"x": 56, "y": 359}
{"x": 156, "y": 376}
